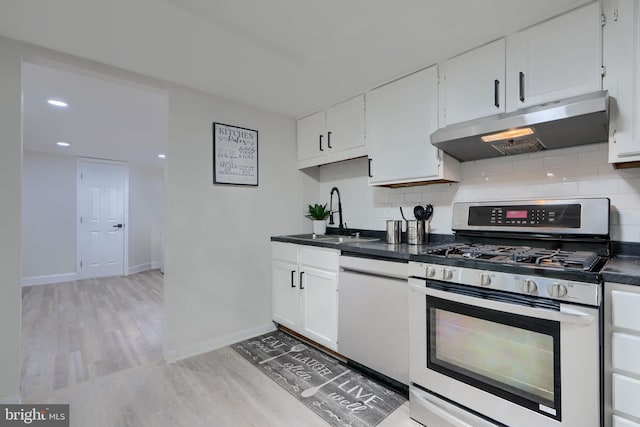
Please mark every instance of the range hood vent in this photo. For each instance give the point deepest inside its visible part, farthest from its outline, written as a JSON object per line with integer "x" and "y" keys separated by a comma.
{"x": 573, "y": 121}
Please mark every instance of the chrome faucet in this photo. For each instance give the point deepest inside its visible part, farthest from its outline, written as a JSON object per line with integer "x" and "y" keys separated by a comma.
{"x": 341, "y": 226}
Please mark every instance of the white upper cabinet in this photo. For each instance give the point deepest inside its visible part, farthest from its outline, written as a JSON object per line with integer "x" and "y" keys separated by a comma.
{"x": 332, "y": 135}
{"x": 622, "y": 80}
{"x": 400, "y": 119}
{"x": 345, "y": 125}
{"x": 310, "y": 136}
{"x": 472, "y": 85}
{"x": 556, "y": 59}
{"x": 559, "y": 58}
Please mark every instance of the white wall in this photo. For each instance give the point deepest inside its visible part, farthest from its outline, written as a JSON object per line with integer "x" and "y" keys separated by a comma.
{"x": 218, "y": 265}
{"x": 49, "y": 217}
{"x": 10, "y": 167}
{"x": 572, "y": 172}
{"x": 147, "y": 215}
{"x": 218, "y": 254}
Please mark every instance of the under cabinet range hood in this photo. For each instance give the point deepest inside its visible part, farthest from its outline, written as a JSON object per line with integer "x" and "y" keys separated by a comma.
{"x": 573, "y": 121}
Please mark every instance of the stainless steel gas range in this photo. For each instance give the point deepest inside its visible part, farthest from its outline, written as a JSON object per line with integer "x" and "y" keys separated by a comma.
{"x": 505, "y": 323}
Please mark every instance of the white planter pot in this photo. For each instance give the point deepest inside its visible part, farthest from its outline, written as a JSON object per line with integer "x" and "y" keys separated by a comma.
{"x": 319, "y": 227}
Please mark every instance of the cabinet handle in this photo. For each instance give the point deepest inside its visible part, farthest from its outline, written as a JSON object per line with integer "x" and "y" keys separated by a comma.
{"x": 293, "y": 272}
{"x": 521, "y": 86}
{"x": 321, "y": 149}
{"x": 301, "y": 273}
{"x": 496, "y": 93}
{"x": 329, "y": 140}
{"x": 370, "y": 176}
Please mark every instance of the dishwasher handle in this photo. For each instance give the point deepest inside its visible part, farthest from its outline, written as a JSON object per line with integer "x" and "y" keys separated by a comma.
{"x": 363, "y": 272}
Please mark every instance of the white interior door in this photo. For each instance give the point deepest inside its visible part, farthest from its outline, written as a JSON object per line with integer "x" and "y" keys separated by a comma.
{"x": 102, "y": 188}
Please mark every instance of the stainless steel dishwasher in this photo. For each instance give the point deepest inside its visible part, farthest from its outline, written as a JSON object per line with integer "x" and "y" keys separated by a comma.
{"x": 373, "y": 319}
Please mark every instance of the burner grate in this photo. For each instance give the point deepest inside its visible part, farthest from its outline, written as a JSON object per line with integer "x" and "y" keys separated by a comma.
{"x": 548, "y": 258}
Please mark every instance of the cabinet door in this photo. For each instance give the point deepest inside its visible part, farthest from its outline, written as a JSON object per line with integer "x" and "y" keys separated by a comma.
{"x": 401, "y": 116}
{"x": 345, "y": 125}
{"x": 284, "y": 293}
{"x": 622, "y": 79}
{"x": 319, "y": 305}
{"x": 622, "y": 422}
{"x": 311, "y": 136}
{"x": 472, "y": 85}
{"x": 625, "y": 395}
{"x": 559, "y": 58}
{"x": 624, "y": 310}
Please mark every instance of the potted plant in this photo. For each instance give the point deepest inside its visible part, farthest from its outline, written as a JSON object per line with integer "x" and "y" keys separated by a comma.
{"x": 318, "y": 213}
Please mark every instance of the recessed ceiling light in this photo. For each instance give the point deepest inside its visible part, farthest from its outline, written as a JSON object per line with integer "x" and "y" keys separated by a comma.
{"x": 57, "y": 103}
{"x": 162, "y": 156}
{"x": 63, "y": 144}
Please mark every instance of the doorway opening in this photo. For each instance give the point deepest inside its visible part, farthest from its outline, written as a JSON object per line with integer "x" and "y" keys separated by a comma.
{"x": 93, "y": 215}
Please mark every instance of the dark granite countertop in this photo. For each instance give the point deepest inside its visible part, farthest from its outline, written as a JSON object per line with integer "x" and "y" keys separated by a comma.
{"x": 624, "y": 267}
{"x": 377, "y": 249}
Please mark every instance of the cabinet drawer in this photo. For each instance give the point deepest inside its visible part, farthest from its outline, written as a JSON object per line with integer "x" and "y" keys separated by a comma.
{"x": 324, "y": 259}
{"x": 625, "y": 395}
{"x": 626, "y": 352}
{"x": 625, "y": 310}
{"x": 623, "y": 422}
{"x": 284, "y": 252}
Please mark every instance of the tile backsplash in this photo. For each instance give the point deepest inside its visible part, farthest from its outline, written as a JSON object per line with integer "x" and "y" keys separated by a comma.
{"x": 572, "y": 172}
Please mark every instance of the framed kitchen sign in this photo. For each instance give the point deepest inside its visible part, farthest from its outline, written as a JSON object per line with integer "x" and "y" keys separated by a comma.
{"x": 235, "y": 155}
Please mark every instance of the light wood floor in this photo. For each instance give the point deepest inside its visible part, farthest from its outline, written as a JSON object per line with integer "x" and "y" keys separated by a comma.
{"x": 77, "y": 331}
{"x": 219, "y": 388}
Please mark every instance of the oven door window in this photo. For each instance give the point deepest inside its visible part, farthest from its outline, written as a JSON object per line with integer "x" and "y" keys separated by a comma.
{"x": 514, "y": 357}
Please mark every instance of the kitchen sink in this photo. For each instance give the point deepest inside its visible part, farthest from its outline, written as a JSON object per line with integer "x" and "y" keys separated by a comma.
{"x": 333, "y": 239}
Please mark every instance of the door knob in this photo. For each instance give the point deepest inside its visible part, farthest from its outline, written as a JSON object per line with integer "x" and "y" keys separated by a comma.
{"x": 118, "y": 226}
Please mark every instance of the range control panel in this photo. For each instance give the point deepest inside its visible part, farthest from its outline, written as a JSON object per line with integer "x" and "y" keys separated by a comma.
{"x": 576, "y": 217}
{"x": 562, "y": 216}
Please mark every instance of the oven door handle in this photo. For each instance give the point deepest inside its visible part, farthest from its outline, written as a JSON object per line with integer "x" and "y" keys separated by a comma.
{"x": 565, "y": 315}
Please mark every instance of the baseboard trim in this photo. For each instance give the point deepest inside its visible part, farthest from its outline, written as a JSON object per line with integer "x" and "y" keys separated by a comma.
{"x": 48, "y": 279}
{"x": 139, "y": 268}
{"x": 144, "y": 267}
{"x": 11, "y": 400}
{"x": 172, "y": 356}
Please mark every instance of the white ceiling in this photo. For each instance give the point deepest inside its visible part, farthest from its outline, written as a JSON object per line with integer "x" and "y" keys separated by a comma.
{"x": 288, "y": 56}
{"x": 105, "y": 119}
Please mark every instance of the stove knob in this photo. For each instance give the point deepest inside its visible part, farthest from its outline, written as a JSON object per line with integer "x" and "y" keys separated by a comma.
{"x": 557, "y": 290}
{"x": 430, "y": 271}
{"x": 529, "y": 287}
{"x": 447, "y": 274}
{"x": 485, "y": 280}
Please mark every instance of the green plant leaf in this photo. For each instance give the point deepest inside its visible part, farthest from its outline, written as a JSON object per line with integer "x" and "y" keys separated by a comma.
{"x": 317, "y": 212}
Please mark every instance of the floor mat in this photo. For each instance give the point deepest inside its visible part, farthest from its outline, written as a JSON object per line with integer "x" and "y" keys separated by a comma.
{"x": 338, "y": 394}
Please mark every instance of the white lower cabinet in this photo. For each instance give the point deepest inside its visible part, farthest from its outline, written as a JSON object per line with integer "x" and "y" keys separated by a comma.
{"x": 304, "y": 282}
{"x": 621, "y": 422}
{"x": 622, "y": 355}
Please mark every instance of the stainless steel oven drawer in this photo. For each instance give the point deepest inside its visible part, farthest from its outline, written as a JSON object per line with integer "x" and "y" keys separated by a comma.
{"x": 434, "y": 412}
